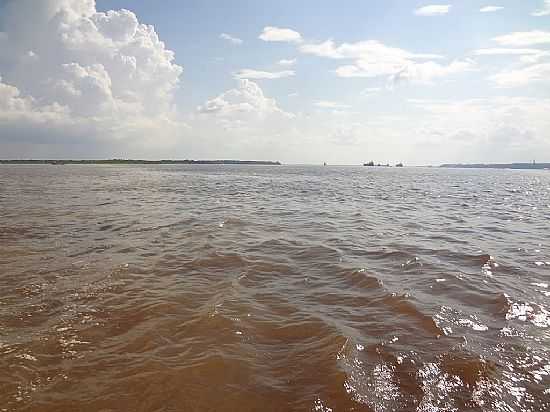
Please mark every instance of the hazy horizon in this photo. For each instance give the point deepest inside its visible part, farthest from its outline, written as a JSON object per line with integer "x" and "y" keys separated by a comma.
{"x": 266, "y": 161}
{"x": 342, "y": 83}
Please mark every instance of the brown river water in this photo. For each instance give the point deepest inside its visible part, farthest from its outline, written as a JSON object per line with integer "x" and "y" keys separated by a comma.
{"x": 258, "y": 288}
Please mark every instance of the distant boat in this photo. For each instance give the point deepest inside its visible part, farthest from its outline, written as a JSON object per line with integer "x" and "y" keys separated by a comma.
{"x": 371, "y": 163}
{"x": 325, "y": 163}
{"x": 399, "y": 165}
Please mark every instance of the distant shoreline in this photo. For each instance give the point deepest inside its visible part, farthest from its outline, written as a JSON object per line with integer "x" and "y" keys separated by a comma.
{"x": 140, "y": 162}
{"x": 523, "y": 166}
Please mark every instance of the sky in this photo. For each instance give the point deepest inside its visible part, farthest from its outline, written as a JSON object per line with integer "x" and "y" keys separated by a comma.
{"x": 307, "y": 82}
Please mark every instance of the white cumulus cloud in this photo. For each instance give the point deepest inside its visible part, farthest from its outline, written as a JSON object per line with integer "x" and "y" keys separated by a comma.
{"x": 327, "y": 104}
{"x": 543, "y": 11}
{"x": 523, "y": 76}
{"x": 523, "y": 38}
{"x": 96, "y": 75}
{"x": 504, "y": 52}
{"x": 490, "y": 9}
{"x": 278, "y": 34}
{"x": 427, "y": 72}
{"x": 286, "y": 62}
{"x": 259, "y": 74}
{"x": 372, "y": 58}
{"x": 527, "y": 56}
{"x": 368, "y": 49}
{"x": 495, "y": 129}
{"x": 243, "y": 123}
{"x": 433, "y": 10}
{"x": 370, "y": 91}
{"x": 231, "y": 39}
{"x": 246, "y": 99}
{"x": 534, "y": 58}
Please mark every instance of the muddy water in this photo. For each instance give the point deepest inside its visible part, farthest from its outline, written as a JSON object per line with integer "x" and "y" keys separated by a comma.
{"x": 227, "y": 288}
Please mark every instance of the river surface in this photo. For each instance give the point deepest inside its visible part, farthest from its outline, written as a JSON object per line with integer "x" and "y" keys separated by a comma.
{"x": 258, "y": 288}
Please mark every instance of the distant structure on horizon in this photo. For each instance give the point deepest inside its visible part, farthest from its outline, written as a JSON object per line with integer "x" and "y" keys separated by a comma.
{"x": 371, "y": 164}
{"x": 531, "y": 166}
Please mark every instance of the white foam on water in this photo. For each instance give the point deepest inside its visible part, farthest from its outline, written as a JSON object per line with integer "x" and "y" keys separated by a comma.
{"x": 473, "y": 325}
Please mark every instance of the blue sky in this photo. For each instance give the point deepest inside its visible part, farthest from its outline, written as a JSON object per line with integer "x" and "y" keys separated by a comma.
{"x": 344, "y": 82}
{"x": 192, "y": 30}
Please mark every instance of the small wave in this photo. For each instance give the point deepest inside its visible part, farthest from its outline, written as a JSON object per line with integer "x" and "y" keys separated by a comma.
{"x": 533, "y": 313}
